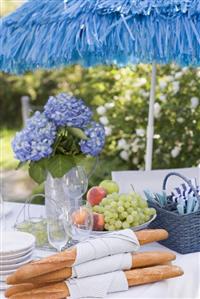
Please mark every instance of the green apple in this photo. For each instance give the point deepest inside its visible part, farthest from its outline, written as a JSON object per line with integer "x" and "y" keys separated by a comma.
{"x": 110, "y": 186}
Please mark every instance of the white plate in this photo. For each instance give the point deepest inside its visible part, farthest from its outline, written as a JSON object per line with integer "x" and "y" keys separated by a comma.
{"x": 5, "y": 211}
{"x": 6, "y": 273}
{"x": 10, "y": 257}
{"x": 9, "y": 261}
{"x": 3, "y": 286}
{"x": 3, "y": 278}
{"x": 15, "y": 242}
{"x": 5, "y": 268}
{"x": 134, "y": 228}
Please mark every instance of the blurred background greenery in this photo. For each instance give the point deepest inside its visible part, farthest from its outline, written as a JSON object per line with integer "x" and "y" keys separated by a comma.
{"x": 119, "y": 98}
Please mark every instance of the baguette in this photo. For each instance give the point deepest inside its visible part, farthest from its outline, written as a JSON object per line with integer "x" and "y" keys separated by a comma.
{"x": 54, "y": 291}
{"x": 151, "y": 258}
{"x": 134, "y": 277}
{"x": 46, "y": 265}
{"x": 139, "y": 260}
{"x": 152, "y": 274}
{"x": 42, "y": 280}
{"x": 151, "y": 235}
{"x": 53, "y": 276}
{"x": 24, "y": 287}
{"x": 67, "y": 258}
{"x": 142, "y": 259}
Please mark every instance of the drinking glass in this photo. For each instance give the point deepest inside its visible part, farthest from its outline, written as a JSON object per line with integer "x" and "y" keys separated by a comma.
{"x": 81, "y": 219}
{"x": 58, "y": 224}
{"x": 75, "y": 185}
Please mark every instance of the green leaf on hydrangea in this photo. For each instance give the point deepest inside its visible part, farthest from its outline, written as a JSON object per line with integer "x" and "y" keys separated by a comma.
{"x": 56, "y": 143}
{"x": 20, "y": 165}
{"x": 37, "y": 171}
{"x": 59, "y": 165}
{"x": 89, "y": 163}
{"x": 79, "y": 159}
{"x": 77, "y": 133}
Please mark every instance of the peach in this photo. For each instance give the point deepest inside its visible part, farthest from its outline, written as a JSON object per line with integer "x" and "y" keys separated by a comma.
{"x": 78, "y": 217}
{"x": 98, "y": 221}
{"x": 95, "y": 195}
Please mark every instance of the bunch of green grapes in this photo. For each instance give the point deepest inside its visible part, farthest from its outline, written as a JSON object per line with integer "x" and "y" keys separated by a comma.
{"x": 124, "y": 211}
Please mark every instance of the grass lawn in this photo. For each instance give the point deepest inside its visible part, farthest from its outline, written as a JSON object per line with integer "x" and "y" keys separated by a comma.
{"x": 7, "y": 160}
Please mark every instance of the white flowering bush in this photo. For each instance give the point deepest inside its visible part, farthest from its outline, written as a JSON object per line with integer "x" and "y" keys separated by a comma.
{"x": 176, "y": 112}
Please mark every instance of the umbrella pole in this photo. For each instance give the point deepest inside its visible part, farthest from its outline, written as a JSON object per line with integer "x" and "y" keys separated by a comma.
{"x": 150, "y": 127}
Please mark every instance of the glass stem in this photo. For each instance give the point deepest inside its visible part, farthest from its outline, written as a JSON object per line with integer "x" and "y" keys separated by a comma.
{"x": 60, "y": 248}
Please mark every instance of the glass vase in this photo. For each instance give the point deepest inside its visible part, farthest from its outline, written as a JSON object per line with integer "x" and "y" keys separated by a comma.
{"x": 67, "y": 190}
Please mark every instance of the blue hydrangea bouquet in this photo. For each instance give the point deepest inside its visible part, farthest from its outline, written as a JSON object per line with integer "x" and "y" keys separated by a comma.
{"x": 58, "y": 138}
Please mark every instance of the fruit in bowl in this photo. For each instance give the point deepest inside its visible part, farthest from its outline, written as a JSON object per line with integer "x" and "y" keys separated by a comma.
{"x": 95, "y": 195}
{"x": 98, "y": 222}
{"x": 80, "y": 217}
{"x": 119, "y": 211}
{"x": 109, "y": 186}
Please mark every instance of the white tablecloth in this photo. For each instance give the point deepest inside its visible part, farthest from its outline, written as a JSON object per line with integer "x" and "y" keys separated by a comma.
{"x": 187, "y": 286}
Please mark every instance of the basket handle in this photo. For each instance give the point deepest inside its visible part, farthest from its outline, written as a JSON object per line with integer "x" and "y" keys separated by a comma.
{"x": 185, "y": 179}
{"x": 27, "y": 204}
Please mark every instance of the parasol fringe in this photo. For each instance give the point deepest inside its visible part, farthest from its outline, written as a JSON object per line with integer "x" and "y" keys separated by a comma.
{"x": 100, "y": 32}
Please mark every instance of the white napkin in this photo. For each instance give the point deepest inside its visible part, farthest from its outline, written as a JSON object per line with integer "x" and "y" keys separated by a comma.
{"x": 97, "y": 286}
{"x": 123, "y": 241}
{"x": 106, "y": 264}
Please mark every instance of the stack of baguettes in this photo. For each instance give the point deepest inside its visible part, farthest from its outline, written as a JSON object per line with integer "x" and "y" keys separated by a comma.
{"x": 46, "y": 278}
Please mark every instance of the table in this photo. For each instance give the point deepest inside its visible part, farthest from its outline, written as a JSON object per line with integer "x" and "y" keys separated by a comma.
{"x": 187, "y": 286}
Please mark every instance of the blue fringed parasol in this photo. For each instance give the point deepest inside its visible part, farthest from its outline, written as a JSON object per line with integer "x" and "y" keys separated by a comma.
{"x": 52, "y": 33}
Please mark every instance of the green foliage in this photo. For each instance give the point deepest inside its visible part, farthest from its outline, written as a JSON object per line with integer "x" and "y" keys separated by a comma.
{"x": 59, "y": 165}
{"x": 76, "y": 132}
{"x": 120, "y": 98}
{"x": 7, "y": 160}
{"x": 37, "y": 171}
{"x": 123, "y": 96}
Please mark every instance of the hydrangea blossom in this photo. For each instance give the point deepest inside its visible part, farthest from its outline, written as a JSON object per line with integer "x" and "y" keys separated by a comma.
{"x": 194, "y": 102}
{"x": 101, "y": 110}
{"x": 66, "y": 110}
{"x": 124, "y": 155}
{"x": 175, "y": 151}
{"x": 140, "y": 82}
{"x": 35, "y": 141}
{"x": 96, "y": 139}
{"x": 122, "y": 144}
{"x": 175, "y": 86}
{"x": 162, "y": 84}
{"x": 109, "y": 105}
{"x": 140, "y": 132}
{"x": 157, "y": 110}
{"x": 108, "y": 130}
{"x": 104, "y": 120}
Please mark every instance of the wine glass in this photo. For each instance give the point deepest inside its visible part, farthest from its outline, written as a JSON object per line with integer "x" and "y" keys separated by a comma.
{"x": 75, "y": 185}
{"x": 58, "y": 224}
{"x": 81, "y": 219}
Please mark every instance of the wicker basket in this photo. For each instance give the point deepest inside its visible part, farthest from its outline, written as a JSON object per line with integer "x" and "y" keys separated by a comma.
{"x": 184, "y": 230}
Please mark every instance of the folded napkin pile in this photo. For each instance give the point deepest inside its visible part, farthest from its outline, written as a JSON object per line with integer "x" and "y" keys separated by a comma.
{"x": 95, "y": 268}
{"x": 109, "y": 254}
{"x": 182, "y": 200}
